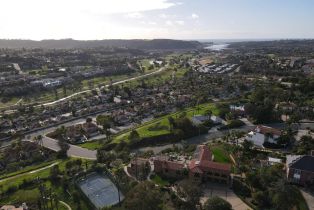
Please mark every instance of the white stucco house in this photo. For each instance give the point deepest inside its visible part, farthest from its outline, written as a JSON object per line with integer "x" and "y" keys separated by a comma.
{"x": 262, "y": 134}
{"x": 217, "y": 120}
{"x": 199, "y": 119}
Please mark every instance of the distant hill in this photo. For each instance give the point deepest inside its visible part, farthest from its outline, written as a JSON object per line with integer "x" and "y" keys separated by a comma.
{"x": 155, "y": 44}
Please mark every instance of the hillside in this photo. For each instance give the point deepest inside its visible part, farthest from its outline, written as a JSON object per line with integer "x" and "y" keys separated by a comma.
{"x": 155, "y": 44}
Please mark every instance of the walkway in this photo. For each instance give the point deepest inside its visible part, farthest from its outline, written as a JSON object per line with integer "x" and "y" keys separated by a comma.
{"x": 29, "y": 172}
{"x": 66, "y": 205}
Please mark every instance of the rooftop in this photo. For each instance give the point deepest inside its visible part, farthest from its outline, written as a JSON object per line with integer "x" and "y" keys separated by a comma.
{"x": 305, "y": 163}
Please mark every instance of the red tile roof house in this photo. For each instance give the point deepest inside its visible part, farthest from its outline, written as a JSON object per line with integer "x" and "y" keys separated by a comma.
{"x": 300, "y": 170}
{"x": 163, "y": 166}
{"x": 137, "y": 165}
{"x": 202, "y": 168}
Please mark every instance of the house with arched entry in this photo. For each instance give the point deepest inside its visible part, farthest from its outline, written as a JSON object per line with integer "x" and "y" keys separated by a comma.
{"x": 203, "y": 168}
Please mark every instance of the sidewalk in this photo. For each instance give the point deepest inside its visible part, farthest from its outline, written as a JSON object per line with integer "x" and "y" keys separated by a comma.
{"x": 308, "y": 198}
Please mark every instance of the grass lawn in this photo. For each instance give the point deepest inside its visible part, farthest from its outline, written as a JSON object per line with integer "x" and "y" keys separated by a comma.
{"x": 220, "y": 154}
{"x": 147, "y": 129}
{"x": 159, "y": 181}
{"x": 27, "y": 169}
{"x": 11, "y": 102}
{"x": 30, "y": 194}
{"x": 92, "y": 145}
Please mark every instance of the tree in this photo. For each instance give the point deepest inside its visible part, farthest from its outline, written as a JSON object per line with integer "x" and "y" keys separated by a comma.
{"x": 134, "y": 136}
{"x": 171, "y": 123}
{"x": 64, "y": 147}
{"x": 54, "y": 172}
{"x": 285, "y": 196}
{"x": 305, "y": 145}
{"x": 217, "y": 203}
{"x": 144, "y": 196}
{"x": 190, "y": 191}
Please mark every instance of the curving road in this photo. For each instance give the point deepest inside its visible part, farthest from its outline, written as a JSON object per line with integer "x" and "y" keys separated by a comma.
{"x": 115, "y": 83}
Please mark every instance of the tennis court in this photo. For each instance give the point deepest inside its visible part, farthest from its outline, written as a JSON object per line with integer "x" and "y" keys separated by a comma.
{"x": 100, "y": 190}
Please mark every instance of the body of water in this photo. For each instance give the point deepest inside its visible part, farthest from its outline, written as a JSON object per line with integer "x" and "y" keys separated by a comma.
{"x": 217, "y": 47}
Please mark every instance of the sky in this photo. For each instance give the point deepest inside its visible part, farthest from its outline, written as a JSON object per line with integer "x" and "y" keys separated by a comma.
{"x": 148, "y": 19}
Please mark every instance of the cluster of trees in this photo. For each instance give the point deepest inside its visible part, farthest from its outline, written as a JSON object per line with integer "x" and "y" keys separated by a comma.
{"x": 187, "y": 198}
{"x": 305, "y": 145}
{"x": 21, "y": 154}
{"x": 269, "y": 189}
{"x": 261, "y": 106}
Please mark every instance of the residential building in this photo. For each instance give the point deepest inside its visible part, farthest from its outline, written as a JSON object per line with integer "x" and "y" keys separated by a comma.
{"x": 199, "y": 119}
{"x": 138, "y": 165}
{"x": 166, "y": 167}
{"x": 300, "y": 169}
{"x": 203, "y": 168}
{"x": 262, "y": 134}
{"x": 217, "y": 120}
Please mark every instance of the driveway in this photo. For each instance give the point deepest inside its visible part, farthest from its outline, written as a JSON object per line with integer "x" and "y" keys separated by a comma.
{"x": 223, "y": 191}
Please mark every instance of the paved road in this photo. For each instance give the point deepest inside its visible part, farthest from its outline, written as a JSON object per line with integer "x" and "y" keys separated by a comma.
{"x": 204, "y": 138}
{"x": 74, "y": 151}
{"x": 115, "y": 83}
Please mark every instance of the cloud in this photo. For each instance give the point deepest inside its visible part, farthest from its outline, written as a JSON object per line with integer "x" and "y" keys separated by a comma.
{"x": 135, "y": 15}
{"x": 169, "y": 23}
{"x": 179, "y": 22}
{"x": 163, "y": 16}
{"x": 194, "y": 16}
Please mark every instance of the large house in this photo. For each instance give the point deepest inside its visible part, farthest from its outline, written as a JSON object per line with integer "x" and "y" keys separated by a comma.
{"x": 262, "y": 134}
{"x": 300, "y": 169}
{"x": 202, "y": 166}
{"x": 138, "y": 167}
{"x": 166, "y": 167}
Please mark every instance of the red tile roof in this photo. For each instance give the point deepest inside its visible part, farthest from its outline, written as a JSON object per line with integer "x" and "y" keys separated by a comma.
{"x": 203, "y": 161}
{"x": 207, "y": 165}
{"x": 265, "y": 130}
{"x": 170, "y": 165}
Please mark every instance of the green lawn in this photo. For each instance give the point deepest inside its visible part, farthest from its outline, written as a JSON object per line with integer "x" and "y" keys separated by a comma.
{"x": 220, "y": 154}
{"x": 11, "y": 102}
{"x": 145, "y": 130}
{"x": 30, "y": 194}
{"x": 92, "y": 145}
{"x": 159, "y": 181}
{"x": 27, "y": 169}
